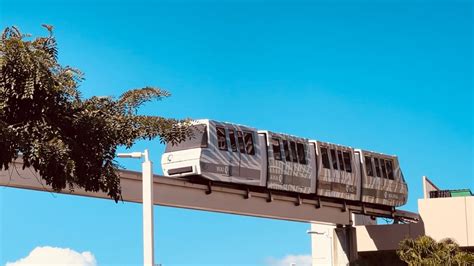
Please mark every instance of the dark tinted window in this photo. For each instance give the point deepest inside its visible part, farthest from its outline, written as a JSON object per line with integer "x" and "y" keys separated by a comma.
{"x": 377, "y": 167}
{"x": 389, "y": 169}
{"x": 240, "y": 139}
{"x": 339, "y": 157}
{"x": 221, "y": 140}
{"x": 384, "y": 170}
{"x": 325, "y": 158}
{"x": 276, "y": 148}
{"x": 233, "y": 144}
{"x": 368, "y": 166}
{"x": 293, "y": 151}
{"x": 347, "y": 162}
{"x": 249, "y": 147}
{"x": 301, "y": 153}
{"x": 334, "y": 159}
{"x": 197, "y": 140}
{"x": 287, "y": 151}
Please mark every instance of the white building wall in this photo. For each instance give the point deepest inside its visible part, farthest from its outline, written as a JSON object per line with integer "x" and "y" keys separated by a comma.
{"x": 440, "y": 218}
{"x": 449, "y": 217}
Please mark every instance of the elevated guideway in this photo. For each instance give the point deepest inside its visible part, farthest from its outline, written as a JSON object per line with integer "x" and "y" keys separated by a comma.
{"x": 185, "y": 193}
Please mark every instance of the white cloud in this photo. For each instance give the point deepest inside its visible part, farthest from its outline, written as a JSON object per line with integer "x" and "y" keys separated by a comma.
{"x": 46, "y": 256}
{"x": 289, "y": 260}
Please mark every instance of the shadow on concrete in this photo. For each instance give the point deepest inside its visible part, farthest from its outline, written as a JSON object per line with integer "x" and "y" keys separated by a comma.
{"x": 387, "y": 237}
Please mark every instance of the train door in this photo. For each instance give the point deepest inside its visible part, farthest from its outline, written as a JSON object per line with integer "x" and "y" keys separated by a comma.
{"x": 348, "y": 172}
{"x": 262, "y": 146}
{"x": 303, "y": 170}
{"x": 234, "y": 151}
{"x": 275, "y": 163}
{"x": 247, "y": 143}
{"x": 328, "y": 175}
{"x": 358, "y": 165}
{"x": 216, "y": 161}
{"x": 288, "y": 165}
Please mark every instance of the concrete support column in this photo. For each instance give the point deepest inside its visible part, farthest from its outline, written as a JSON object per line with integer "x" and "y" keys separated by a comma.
{"x": 322, "y": 243}
{"x": 344, "y": 245}
{"x": 335, "y": 245}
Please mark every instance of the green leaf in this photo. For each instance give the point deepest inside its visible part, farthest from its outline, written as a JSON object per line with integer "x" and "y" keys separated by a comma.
{"x": 71, "y": 141}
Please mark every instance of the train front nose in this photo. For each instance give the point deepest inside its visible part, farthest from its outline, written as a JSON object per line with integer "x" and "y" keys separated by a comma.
{"x": 182, "y": 159}
{"x": 181, "y": 163}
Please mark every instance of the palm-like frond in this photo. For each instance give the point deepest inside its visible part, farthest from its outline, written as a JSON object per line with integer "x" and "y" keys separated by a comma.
{"x": 424, "y": 250}
{"x": 132, "y": 99}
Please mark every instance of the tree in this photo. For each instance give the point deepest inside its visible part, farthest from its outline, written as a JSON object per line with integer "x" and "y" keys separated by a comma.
{"x": 69, "y": 140}
{"x": 424, "y": 250}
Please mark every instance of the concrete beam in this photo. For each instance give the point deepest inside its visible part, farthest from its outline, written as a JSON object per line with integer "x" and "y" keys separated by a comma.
{"x": 181, "y": 193}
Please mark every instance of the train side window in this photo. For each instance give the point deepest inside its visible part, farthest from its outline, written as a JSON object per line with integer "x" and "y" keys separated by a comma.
{"x": 325, "y": 158}
{"x": 204, "y": 139}
{"x": 276, "y": 148}
{"x": 199, "y": 139}
{"x": 301, "y": 153}
{"x": 389, "y": 169}
{"x": 249, "y": 147}
{"x": 293, "y": 151}
{"x": 287, "y": 151}
{"x": 341, "y": 162}
{"x": 233, "y": 144}
{"x": 384, "y": 169}
{"x": 221, "y": 139}
{"x": 368, "y": 166}
{"x": 240, "y": 140}
{"x": 334, "y": 159}
{"x": 377, "y": 167}
{"x": 347, "y": 162}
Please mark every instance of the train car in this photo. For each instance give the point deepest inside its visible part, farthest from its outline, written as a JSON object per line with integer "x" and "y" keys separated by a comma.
{"x": 338, "y": 172}
{"x": 231, "y": 153}
{"x": 291, "y": 163}
{"x": 219, "y": 151}
{"x": 383, "y": 181}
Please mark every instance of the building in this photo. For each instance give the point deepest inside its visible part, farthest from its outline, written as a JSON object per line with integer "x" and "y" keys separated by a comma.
{"x": 449, "y": 216}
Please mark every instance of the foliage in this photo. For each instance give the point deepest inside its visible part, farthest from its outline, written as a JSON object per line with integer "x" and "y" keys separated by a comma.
{"x": 424, "y": 250}
{"x": 69, "y": 140}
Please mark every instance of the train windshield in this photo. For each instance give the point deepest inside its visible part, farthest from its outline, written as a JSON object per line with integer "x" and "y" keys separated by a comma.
{"x": 197, "y": 140}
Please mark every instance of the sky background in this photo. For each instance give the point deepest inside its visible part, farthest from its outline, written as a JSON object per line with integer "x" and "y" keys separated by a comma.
{"x": 390, "y": 76}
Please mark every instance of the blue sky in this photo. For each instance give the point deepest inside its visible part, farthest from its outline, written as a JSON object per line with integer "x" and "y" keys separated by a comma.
{"x": 389, "y": 76}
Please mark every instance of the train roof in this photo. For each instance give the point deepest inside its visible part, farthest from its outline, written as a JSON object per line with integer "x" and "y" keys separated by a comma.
{"x": 208, "y": 121}
{"x": 376, "y": 153}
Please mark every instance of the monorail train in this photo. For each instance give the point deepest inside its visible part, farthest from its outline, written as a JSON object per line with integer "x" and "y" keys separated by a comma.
{"x": 226, "y": 152}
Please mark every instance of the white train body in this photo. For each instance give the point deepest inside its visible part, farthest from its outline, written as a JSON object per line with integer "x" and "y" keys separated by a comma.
{"x": 231, "y": 153}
